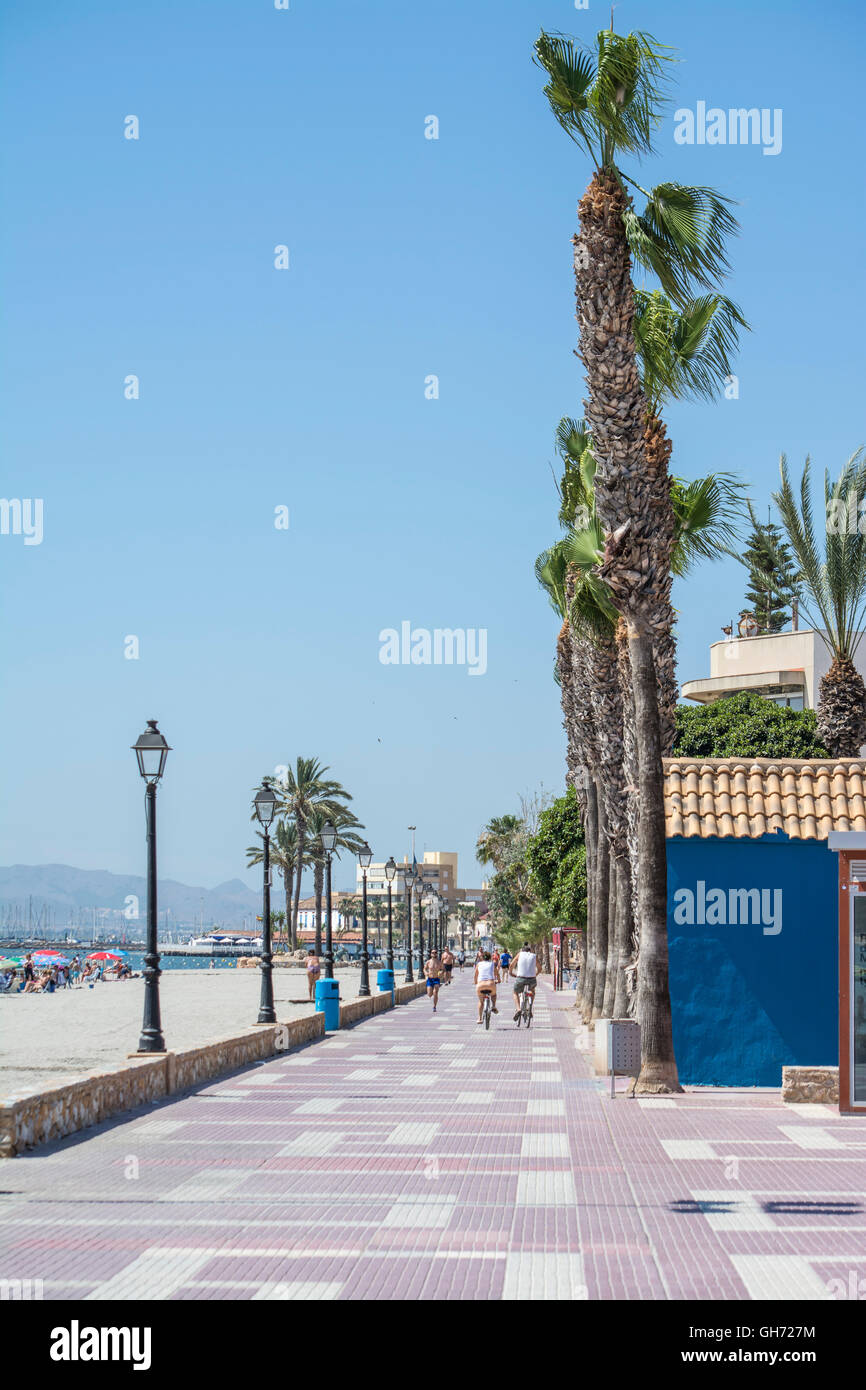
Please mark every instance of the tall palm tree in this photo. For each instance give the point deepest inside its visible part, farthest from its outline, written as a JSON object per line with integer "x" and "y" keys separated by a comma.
{"x": 609, "y": 103}
{"x": 304, "y": 788}
{"x": 834, "y": 592}
{"x": 345, "y": 824}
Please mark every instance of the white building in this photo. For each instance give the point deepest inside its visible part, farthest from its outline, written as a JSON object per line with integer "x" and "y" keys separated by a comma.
{"x": 785, "y": 667}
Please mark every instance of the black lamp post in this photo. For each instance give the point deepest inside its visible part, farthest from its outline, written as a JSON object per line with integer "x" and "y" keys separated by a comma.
{"x": 329, "y": 840}
{"x": 390, "y": 871}
{"x": 151, "y": 751}
{"x": 407, "y": 884}
{"x": 364, "y": 859}
{"x": 265, "y": 805}
{"x": 419, "y": 895}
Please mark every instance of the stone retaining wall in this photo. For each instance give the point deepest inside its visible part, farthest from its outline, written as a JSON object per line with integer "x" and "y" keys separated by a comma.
{"x": 810, "y": 1085}
{"x": 37, "y": 1116}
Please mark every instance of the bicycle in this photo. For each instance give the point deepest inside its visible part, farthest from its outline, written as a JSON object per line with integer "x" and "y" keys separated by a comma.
{"x": 487, "y": 1008}
{"x": 526, "y": 1000}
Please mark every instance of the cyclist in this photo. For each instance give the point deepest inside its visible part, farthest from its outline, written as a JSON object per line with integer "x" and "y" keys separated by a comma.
{"x": 433, "y": 971}
{"x": 524, "y": 968}
{"x": 486, "y": 979}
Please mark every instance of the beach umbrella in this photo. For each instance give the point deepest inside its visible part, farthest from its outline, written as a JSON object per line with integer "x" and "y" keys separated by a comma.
{"x": 106, "y": 955}
{"x": 9, "y": 962}
{"x": 50, "y": 958}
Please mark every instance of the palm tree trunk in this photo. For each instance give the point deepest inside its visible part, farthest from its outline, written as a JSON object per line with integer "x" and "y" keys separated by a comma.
{"x": 658, "y": 1066}
{"x": 612, "y": 959}
{"x": 587, "y": 975}
{"x": 299, "y": 871}
{"x": 602, "y": 910}
{"x": 318, "y": 889}
{"x": 288, "y": 880}
{"x": 622, "y": 934}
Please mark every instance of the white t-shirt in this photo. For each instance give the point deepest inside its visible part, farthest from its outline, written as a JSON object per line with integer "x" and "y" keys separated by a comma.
{"x": 527, "y": 966}
{"x": 485, "y": 971}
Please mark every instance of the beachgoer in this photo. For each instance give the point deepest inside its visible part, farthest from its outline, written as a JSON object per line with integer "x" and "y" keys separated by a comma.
{"x": 461, "y": 959}
{"x": 313, "y": 969}
{"x": 433, "y": 972}
{"x": 486, "y": 979}
{"x": 447, "y": 965}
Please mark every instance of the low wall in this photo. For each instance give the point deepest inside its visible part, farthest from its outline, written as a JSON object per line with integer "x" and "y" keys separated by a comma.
{"x": 810, "y": 1085}
{"x": 38, "y": 1116}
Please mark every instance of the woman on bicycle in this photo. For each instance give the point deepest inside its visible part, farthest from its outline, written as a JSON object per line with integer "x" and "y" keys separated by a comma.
{"x": 486, "y": 980}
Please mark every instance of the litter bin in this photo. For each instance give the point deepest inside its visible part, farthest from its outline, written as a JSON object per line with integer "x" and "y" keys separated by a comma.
{"x": 385, "y": 981}
{"x": 328, "y": 1003}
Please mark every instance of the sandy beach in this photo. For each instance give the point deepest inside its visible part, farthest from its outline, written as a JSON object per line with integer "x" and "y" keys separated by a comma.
{"x": 45, "y": 1038}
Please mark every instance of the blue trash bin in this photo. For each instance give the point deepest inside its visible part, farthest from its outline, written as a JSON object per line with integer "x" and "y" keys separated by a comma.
{"x": 328, "y": 1003}
{"x": 385, "y": 982}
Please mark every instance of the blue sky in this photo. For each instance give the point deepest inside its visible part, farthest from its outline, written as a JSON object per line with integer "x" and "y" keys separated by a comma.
{"x": 305, "y": 388}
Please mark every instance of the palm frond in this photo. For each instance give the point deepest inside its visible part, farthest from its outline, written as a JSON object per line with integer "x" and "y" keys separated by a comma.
{"x": 570, "y": 70}
{"x": 707, "y": 513}
{"x": 685, "y": 351}
{"x": 680, "y": 237}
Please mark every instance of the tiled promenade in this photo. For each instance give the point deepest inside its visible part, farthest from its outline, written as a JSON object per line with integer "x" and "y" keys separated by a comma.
{"x": 420, "y": 1157}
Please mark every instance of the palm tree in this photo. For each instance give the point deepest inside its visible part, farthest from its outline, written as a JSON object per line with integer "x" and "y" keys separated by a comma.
{"x": 608, "y": 102}
{"x": 345, "y": 824}
{"x": 835, "y": 593}
{"x": 304, "y": 788}
{"x": 284, "y": 856}
{"x": 494, "y": 840}
{"x": 705, "y": 513}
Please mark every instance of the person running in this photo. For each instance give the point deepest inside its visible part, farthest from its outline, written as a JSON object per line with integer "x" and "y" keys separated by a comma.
{"x": 486, "y": 979}
{"x": 447, "y": 965}
{"x": 313, "y": 969}
{"x": 524, "y": 968}
{"x": 504, "y": 962}
{"x": 433, "y": 971}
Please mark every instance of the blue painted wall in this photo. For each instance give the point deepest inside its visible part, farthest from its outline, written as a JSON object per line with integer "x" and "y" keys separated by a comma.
{"x": 745, "y": 1004}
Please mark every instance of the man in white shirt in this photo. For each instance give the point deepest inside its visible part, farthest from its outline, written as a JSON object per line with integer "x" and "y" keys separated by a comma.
{"x": 524, "y": 968}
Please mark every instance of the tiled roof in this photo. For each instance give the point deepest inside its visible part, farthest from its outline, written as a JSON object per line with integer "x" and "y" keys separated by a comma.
{"x": 747, "y": 797}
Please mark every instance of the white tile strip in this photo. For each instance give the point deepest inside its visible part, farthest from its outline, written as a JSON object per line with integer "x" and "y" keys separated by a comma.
{"x": 412, "y": 1133}
{"x": 300, "y": 1291}
{"x": 811, "y": 1138}
{"x": 546, "y": 1107}
{"x": 545, "y": 1190}
{"x": 158, "y": 1129}
{"x": 779, "y": 1276}
{"x": 429, "y": 1213}
{"x": 322, "y": 1105}
{"x": 650, "y": 1104}
{"x": 312, "y": 1143}
{"x": 544, "y": 1146}
{"x": 688, "y": 1148}
{"x": 419, "y": 1078}
{"x": 474, "y": 1098}
{"x": 163, "y": 1267}
{"x": 535, "y": 1274}
{"x": 742, "y": 1210}
{"x": 205, "y": 1186}
{"x": 364, "y": 1074}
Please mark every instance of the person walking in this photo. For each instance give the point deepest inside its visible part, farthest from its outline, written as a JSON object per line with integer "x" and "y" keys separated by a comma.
{"x": 447, "y": 965}
{"x": 433, "y": 972}
{"x": 314, "y": 969}
{"x": 461, "y": 958}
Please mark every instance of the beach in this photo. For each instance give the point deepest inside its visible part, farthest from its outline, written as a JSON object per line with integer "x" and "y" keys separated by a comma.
{"x": 50, "y": 1038}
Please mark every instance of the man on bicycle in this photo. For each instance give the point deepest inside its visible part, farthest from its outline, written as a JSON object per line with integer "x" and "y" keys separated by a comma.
{"x": 524, "y": 968}
{"x": 486, "y": 980}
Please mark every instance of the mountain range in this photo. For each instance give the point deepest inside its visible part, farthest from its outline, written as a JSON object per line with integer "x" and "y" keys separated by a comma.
{"x": 65, "y": 896}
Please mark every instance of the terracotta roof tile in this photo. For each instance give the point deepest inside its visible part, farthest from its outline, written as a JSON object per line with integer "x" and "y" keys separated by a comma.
{"x": 748, "y": 797}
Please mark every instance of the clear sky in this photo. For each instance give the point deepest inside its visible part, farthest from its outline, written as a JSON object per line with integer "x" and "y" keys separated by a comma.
{"x": 305, "y": 388}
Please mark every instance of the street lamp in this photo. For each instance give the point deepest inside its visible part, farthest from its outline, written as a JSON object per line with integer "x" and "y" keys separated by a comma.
{"x": 265, "y": 805}
{"x": 151, "y": 751}
{"x": 329, "y": 841}
{"x": 408, "y": 884}
{"x": 419, "y": 885}
{"x": 390, "y": 871}
{"x": 365, "y": 856}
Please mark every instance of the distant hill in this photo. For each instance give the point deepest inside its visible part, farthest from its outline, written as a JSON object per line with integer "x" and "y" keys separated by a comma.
{"x": 66, "y": 896}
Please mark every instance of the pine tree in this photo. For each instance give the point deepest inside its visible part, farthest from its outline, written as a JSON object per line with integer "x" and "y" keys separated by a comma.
{"x": 773, "y": 577}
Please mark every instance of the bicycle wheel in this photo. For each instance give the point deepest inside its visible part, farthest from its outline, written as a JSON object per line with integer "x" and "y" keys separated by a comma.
{"x": 487, "y": 1011}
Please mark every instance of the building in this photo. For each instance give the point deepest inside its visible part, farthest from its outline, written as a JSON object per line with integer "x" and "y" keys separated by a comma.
{"x": 785, "y": 667}
{"x": 438, "y": 869}
{"x": 767, "y": 919}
